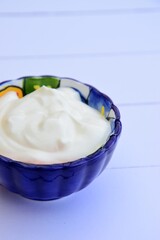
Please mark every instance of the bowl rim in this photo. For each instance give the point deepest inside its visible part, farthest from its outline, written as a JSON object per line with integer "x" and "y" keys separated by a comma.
{"x": 81, "y": 161}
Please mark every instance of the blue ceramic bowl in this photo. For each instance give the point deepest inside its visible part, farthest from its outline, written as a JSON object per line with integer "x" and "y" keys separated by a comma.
{"x": 47, "y": 182}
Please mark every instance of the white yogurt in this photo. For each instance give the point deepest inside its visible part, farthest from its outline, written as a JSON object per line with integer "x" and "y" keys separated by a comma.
{"x": 49, "y": 126}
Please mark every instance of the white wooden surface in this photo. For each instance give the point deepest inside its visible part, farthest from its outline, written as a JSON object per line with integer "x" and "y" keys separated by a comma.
{"x": 109, "y": 33}
{"x": 71, "y": 5}
{"x": 115, "y": 46}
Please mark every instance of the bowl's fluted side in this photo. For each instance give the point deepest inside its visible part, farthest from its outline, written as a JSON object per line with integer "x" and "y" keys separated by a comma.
{"x": 51, "y": 182}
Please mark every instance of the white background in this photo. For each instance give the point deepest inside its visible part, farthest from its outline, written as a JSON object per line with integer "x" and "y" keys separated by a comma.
{"x": 115, "y": 46}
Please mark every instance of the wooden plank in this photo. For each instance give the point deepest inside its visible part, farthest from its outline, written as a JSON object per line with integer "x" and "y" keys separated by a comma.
{"x": 71, "y": 5}
{"x": 79, "y": 35}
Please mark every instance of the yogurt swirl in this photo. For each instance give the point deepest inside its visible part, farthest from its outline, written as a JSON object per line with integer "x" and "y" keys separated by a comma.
{"x": 50, "y": 126}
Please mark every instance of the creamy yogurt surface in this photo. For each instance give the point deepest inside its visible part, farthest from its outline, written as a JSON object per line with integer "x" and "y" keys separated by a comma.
{"x": 49, "y": 126}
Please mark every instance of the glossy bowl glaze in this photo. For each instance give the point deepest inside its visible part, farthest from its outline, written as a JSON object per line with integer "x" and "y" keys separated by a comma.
{"x": 47, "y": 182}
